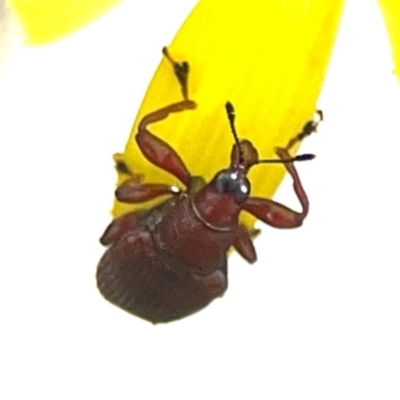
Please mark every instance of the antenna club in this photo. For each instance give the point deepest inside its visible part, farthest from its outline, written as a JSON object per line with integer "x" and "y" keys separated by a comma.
{"x": 305, "y": 157}
{"x": 229, "y": 108}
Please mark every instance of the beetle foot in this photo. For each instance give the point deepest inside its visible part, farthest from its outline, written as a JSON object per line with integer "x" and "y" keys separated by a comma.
{"x": 181, "y": 70}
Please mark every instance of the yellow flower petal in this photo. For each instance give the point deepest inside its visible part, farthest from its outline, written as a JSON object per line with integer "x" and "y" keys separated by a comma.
{"x": 46, "y": 20}
{"x": 268, "y": 58}
{"x": 391, "y": 13}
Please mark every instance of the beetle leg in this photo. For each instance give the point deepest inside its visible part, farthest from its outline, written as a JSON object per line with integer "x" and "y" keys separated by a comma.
{"x": 162, "y": 155}
{"x": 122, "y": 167}
{"x": 275, "y": 214}
{"x": 244, "y": 245}
{"x": 164, "y": 112}
{"x": 131, "y": 191}
{"x": 117, "y": 228}
{"x": 309, "y": 128}
{"x": 181, "y": 72}
{"x": 156, "y": 150}
{"x": 159, "y": 152}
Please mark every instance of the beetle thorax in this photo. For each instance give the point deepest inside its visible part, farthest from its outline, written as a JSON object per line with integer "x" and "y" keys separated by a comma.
{"x": 190, "y": 243}
{"x": 218, "y": 211}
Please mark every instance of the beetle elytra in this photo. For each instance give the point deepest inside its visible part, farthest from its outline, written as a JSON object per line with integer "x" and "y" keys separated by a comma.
{"x": 170, "y": 261}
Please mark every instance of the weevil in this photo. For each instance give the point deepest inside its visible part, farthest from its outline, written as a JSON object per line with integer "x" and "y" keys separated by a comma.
{"x": 170, "y": 261}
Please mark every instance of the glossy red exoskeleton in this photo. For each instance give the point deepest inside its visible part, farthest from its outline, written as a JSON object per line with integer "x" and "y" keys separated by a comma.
{"x": 171, "y": 261}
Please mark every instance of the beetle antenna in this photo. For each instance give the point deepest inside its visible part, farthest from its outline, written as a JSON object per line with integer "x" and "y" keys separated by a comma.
{"x": 301, "y": 157}
{"x": 231, "y": 117}
{"x": 309, "y": 128}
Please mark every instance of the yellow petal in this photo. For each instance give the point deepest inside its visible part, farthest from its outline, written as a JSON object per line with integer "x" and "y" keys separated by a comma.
{"x": 391, "y": 13}
{"x": 46, "y": 20}
{"x": 268, "y": 58}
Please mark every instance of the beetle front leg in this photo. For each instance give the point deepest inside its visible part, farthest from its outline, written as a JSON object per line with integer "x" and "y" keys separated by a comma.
{"x": 156, "y": 150}
{"x": 275, "y": 214}
{"x": 181, "y": 71}
{"x": 162, "y": 155}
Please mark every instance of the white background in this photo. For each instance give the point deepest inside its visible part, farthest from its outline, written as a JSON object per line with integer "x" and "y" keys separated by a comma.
{"x": 316, "y": 318}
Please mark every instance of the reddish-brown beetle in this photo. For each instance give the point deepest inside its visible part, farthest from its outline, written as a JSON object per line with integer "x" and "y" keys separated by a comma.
{"x": 171, "y": 261}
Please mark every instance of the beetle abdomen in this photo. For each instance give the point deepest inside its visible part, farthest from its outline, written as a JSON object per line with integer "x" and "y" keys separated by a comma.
{"x": 133, "y": 275}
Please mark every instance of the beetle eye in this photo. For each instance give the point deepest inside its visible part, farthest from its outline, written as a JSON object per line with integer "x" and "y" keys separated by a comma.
{"x": 231, "y": 182}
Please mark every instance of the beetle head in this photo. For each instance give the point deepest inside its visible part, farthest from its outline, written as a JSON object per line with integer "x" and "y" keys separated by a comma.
{"x": 219, "y": 203}
{"x": 244, "y": 155}
{"x": 232, "y": 181}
